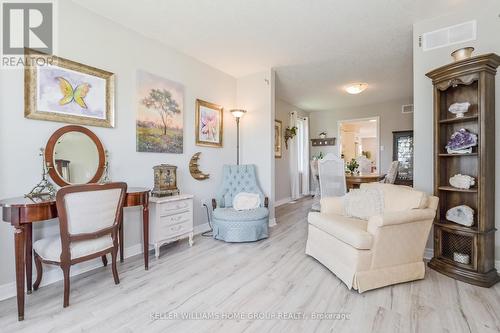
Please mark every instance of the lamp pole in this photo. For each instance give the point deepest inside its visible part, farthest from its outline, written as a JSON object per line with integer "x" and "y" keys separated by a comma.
{"x": 238, "y": 141}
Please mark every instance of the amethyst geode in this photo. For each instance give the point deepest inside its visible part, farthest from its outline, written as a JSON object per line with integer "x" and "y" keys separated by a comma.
{"x": 461, "y": 142}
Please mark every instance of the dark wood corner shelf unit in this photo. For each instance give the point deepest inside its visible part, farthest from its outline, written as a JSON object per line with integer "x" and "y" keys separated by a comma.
{"x": 471, "y": 80}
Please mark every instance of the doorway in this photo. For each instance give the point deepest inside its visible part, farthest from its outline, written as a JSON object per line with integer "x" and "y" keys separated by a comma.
{"x": 360, "y": 137}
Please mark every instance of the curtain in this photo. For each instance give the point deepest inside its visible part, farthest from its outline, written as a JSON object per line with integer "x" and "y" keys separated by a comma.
{"x": 293, "y": 159}
{"x": 305, "y": 161}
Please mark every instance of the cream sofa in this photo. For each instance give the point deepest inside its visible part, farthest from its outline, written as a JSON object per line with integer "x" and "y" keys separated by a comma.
{"x": 387, "y": 249}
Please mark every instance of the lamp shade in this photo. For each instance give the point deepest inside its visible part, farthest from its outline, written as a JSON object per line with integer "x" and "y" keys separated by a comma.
{"x": 238, "y": 113}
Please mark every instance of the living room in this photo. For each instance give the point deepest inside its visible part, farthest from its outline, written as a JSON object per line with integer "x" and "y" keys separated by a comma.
{"x": 243, "y": 155}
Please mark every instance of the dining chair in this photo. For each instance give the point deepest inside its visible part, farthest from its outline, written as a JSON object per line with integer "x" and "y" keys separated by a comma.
{"x": 392, "y": 174}
{"x": 365, "y": 165}
{"x": 89, "y": 218}
{"x": 332, "y": 176}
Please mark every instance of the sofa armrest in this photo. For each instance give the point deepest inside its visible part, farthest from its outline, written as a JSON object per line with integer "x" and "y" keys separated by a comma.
{"x": 332, "y": 205}
{"x": 393, "y": 218}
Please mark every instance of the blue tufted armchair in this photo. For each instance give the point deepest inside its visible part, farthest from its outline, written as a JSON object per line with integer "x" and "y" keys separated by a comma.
{"x": 231, "y": 225}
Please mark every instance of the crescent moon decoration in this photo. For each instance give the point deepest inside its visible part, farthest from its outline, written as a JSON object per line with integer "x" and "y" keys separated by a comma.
{"x": 194, "y": 168}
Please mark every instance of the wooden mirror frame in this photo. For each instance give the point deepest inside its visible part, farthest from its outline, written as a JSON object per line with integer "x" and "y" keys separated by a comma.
{"x": 51, "y": 145}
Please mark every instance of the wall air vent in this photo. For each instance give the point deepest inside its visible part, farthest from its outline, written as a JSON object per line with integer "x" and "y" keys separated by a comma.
{"x": 455, "y": 34}
{"x": 407, "y": 108}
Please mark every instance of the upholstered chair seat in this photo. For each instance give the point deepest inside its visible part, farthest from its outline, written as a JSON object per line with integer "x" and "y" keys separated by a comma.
{"x": 233, "y": 225}
{"x": 50, "y": 248}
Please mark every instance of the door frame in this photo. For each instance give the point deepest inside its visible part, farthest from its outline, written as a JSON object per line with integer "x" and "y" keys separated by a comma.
{"x": 354, "y": 120}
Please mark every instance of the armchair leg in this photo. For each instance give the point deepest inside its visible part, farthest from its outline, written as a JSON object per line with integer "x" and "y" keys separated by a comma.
{"x": 113, "y": 265}
{"x": 104, "y": 260}
{"x": 65, "y": 270}
{"x": 39, "y": 271}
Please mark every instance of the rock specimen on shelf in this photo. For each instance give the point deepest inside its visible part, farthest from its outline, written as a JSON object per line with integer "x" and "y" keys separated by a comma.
{"x": 461, "y": 142}
{"x": 458, "y": 109}
{"x": 462, "y": 214}
{"x": 461, "y": 258}
{"x": 462, "y": 181}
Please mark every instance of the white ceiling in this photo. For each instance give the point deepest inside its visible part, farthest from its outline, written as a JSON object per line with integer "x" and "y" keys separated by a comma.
{"x": 316, "y": 46}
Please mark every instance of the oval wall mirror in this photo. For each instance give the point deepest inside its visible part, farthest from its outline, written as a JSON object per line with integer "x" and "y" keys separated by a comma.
{"x": 75, "y": 155}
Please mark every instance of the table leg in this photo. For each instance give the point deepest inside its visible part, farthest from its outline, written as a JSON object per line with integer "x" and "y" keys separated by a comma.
{"x": 120, "y": 238}
{"x": 145, "y": 227}
{"x": 19, "y": 248}
{"x": 29, "y": 254}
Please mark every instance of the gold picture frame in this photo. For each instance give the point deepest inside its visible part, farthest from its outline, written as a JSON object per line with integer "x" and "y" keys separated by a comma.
{"x": 278, "y": 135}
{"x": 209, "y": 124}
{"x": 54, "y": 91}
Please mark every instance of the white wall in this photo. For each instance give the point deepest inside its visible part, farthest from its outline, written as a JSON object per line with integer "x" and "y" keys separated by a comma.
{"x": 282, "y": 166}
{"x": 391, "y": 119}
{"x": 104, "y": 44}
{"x": 255, "y": 93}
{"x": 488, "y": 28}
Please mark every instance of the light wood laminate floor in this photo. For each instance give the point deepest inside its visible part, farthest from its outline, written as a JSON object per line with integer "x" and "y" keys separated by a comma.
{"x": 272, "y": 276}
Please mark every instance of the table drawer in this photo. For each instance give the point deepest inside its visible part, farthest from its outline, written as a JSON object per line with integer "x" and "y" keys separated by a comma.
{"x": 169, "y": 208}
{"x": 171, "y": 230}
{"x": 175, "y": 219}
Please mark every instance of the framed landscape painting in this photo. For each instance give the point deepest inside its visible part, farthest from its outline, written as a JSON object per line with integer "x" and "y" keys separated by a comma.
{"x": 209, "y": 124}
{"x": 160, "y": 114}
{"x": 66, "y": 91}
{"x": 278, "y": 134}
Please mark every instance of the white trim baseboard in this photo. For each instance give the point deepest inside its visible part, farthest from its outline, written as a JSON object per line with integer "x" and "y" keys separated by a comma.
{"x": 282, "y": 202}
{"x": 54, "y": 274}
{"x": 428, "y": 253}
{"x": 201, "y": 228}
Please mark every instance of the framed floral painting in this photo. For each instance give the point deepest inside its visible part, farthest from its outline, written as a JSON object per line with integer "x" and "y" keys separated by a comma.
{"x": 62, "y": 90}
{"x": 209, "y": 124}
{"x": 278, "y": 134}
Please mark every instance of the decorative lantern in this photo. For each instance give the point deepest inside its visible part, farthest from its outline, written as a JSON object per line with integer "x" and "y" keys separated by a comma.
{"x": 165, "y": 180}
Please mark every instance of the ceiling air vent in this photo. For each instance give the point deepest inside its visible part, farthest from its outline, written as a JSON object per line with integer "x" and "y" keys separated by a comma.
{"x": 455, "y": 34}
{"x": 407, "y": 108}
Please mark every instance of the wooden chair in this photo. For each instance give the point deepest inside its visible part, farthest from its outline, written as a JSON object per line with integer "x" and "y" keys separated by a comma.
{"x": 392, "y": 174}
{"x": 89, "y": 218}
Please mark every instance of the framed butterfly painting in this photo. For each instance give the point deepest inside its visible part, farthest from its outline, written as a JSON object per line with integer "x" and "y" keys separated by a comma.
{"x": 62, "y": 90}
{"x": 209, "y": 124}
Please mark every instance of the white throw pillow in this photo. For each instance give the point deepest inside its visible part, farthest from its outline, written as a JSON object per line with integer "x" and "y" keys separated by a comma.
{"x": 246, "y": 201}
{"x": 363, "y": 203}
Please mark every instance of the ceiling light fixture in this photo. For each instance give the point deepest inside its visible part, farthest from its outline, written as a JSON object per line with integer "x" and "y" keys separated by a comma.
{"x": 356, "y": 88}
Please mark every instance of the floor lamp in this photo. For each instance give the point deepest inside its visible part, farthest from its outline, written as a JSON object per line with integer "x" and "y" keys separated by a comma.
{"x": 238, "y": 113}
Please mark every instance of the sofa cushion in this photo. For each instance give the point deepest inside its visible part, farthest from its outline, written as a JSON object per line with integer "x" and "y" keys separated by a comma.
{"x": 49, "y": 248}
{"x": 347, "y": 229}
{"x": 399, "y": 198}
{"x": 364, "y": 203}
{"x": 231, "y": 214}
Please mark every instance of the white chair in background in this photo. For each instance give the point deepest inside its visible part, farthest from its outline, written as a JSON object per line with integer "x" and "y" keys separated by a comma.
{"x": 332, "y": 176}
{"x": 365, "y": 165}
{"x": 392, "y": 174}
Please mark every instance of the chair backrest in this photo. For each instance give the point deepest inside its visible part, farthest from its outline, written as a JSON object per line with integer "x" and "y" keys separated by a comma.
{"x": 237, "y": 179}
{"x": 89, "y": 211}
{"x": 392, "y": 174}
{"x": 332, "y": 176}
{"x": 314, "y": 167}
{"x": 365, "y": 165}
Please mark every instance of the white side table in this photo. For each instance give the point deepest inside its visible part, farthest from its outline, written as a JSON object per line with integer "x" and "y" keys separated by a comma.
{"x": 170, "y": 219}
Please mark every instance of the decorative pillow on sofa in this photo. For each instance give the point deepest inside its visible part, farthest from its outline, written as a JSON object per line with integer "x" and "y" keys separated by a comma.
{"x": 363, "y": 203}
{"x": 246, "y": 201}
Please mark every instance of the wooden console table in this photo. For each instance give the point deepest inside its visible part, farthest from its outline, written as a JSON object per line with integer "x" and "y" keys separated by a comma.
{"x": 22, "y": 212}
{"x": 353, "y": 181}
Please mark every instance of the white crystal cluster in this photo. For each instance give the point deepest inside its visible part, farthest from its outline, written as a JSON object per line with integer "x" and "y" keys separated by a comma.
{"x": 462, "y": 181}
{"x": 462, "y": 214}
{"x": 458, "y": 109}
